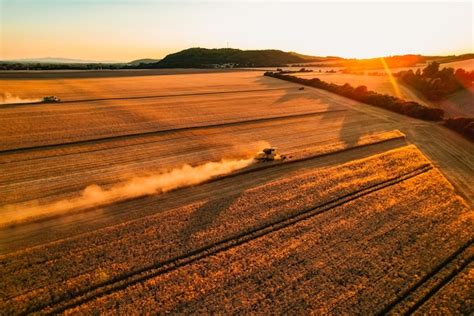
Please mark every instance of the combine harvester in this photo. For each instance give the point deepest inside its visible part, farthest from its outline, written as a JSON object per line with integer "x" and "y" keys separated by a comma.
{"x": 269, "y": 154}
{"x": 51, "y": 99}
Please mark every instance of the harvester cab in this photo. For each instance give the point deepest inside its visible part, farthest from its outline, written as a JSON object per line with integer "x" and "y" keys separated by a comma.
{"x": 269, "y": 154}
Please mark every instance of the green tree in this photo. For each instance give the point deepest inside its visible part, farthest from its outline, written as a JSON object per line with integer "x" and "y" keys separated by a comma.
{"x": 431, "y": 70}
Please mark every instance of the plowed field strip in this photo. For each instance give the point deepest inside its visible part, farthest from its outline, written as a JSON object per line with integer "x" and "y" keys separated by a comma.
{"x": 156, "y": 132}
{"x": 147, "y": 272}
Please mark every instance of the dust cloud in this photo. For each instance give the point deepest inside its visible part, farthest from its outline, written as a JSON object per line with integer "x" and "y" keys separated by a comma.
{"x": 8, "y": 98}
{"x": 95, "y": 195}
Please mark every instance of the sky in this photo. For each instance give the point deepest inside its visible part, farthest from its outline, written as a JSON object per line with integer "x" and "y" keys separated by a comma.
{"x": 124, "y": 30}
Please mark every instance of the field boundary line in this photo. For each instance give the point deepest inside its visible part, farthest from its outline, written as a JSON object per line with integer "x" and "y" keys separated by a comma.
{"x": 256, "y": 168}
{"x": 426, "y": 278}
{"x": 71, "y": 300}
{"x": 165, "y": 131}
{"x": 140, "y": 97}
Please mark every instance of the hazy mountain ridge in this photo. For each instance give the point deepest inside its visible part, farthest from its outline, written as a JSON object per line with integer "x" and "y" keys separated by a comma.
{"x": 60, "y": 60}
{"x": 228, "y": 58}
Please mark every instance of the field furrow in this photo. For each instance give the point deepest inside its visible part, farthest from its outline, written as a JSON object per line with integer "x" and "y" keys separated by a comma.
{"x": 432, "y": 283}
{"x": 455, "y": 297}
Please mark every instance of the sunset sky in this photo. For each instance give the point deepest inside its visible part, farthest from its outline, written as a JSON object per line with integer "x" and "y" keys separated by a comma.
{"x": 124, "y": 30}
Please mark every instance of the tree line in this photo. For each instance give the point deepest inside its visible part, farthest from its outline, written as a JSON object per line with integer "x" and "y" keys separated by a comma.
{"x": 361, "y": 94}
{"x": 436, "y": 83}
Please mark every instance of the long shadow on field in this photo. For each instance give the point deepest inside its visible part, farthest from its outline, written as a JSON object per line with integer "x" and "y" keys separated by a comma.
{"x": 206, "y": 216}
{"x": 349, "y": 133}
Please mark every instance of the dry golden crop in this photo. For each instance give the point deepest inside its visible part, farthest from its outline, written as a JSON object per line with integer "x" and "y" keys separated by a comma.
{"x": 357, "y": 257}
{"x": 357, "y": 221}
{"x": 455, "y": 297}
{"x": 123, "y": 251}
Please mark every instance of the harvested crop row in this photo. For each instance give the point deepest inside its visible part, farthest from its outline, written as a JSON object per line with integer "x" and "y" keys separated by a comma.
{"x": 112, "y": 251}
{"x": 65, "y": 177}
{"x": 381, "y": 243}
{"x": 329, "y": 119}
{"x": 231, "y": 138}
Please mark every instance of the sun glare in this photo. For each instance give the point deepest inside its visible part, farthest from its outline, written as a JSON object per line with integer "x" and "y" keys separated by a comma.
{"x": 392, "y": 80}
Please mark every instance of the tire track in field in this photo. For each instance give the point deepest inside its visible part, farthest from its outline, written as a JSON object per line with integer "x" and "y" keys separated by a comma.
{"x": 444, "y": 282}
{"x": 140, "y": 97}
{"x": 450, "y": 259}
{"x": 165, "y": 131}
{"x": 120, "y": 282}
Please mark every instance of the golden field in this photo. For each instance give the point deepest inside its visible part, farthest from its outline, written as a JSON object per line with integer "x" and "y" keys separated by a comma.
{"x": 371, "y": 211}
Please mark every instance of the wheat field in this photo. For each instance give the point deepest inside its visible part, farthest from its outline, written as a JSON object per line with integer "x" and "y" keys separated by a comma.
{"x": 370, "y": 211}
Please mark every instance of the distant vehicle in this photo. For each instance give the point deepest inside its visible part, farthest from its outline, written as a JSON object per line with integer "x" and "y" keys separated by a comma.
{"x": 301, "y": 88}
{"x": 51, "y": 99}
{"x": 269, "y": 154}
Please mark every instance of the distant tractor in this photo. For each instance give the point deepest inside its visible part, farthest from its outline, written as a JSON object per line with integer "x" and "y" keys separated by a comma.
{"x": 51, "y": 99}
{"x": 269, "y": 154}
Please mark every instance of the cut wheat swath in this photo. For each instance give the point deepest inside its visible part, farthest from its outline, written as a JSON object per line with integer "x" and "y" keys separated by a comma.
{"x": 94, "y": 195}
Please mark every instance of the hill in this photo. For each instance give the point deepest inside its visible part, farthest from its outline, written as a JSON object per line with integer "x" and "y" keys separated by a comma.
{"x": 222, "y": 57}
{"x": 143, "y": 61}
{"x": 454, "y": 58}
